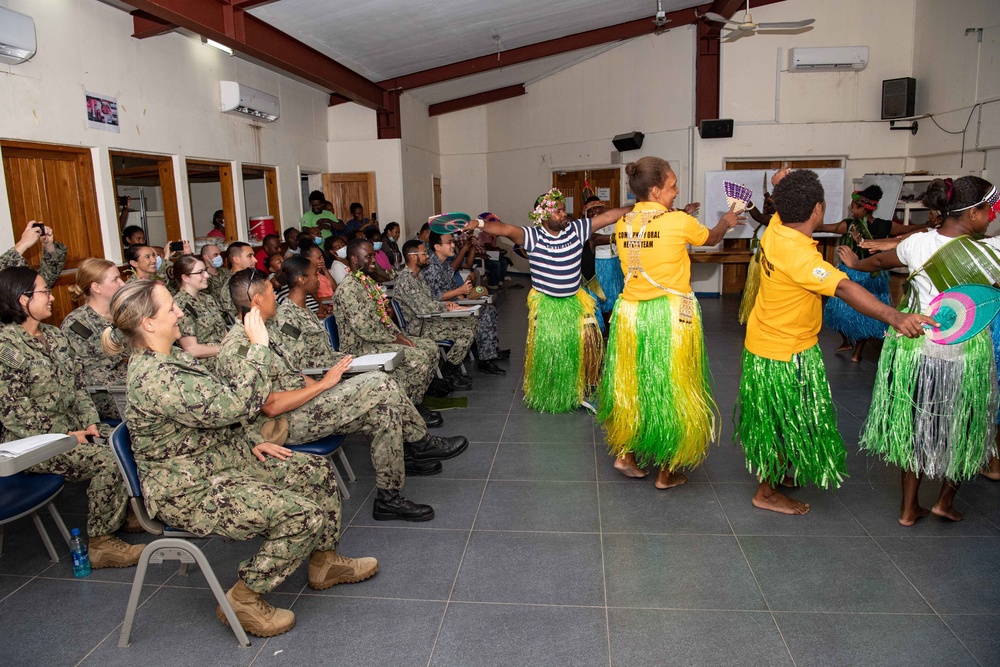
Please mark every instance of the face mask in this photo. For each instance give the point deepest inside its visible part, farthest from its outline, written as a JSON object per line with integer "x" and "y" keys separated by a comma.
{"x": 159, "y": 262}
{"x": 377, "y": 245}
{"x": 217, "y": 261}
{"x": 342, "y": 252}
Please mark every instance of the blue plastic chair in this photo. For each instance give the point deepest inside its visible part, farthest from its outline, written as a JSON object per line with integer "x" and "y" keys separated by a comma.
{"x": 327, "y": 447}
{"x": 331, "y": 329}
{"x": 23, "y": 495}
{"x": 443, "y": 345}
{"x": 173, "y": 543}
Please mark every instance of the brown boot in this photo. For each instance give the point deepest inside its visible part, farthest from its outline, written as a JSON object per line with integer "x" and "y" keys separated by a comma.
{"x": 132, "y": 524}
{"x": 109, "y": 551}
{"x": 328, "y": 568}
{"x": 254, "y": 613}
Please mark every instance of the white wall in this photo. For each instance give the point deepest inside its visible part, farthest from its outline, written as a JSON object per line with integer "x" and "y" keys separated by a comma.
{"x": 168, "y": 93}
{"x": 206, "y": 199}
{"x": 421, "y": 163}
{"x": 382, "y": 156}
{"x": 464, "y": 147}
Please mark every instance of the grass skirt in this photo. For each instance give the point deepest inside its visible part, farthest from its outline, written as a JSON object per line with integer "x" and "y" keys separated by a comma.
{"x": 654, "y": 398}
{"x": 609, "y": 275}
{"x": 786, "y": 418}
{"x": 750, "y": 289}
{"x": 848, "y": 322}
{"x": 934, "y": 406}
{"x": 564, "y": 351}
{"x": 995, "y": 335}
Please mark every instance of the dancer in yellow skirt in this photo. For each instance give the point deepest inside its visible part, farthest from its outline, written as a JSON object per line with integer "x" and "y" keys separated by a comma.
{"x": 655, "y": 400}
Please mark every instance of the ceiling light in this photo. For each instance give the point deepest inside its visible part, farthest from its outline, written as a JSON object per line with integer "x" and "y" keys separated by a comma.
{"x": 215, "y": 45}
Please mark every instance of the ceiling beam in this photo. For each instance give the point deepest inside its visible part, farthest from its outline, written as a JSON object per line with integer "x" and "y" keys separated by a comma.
{"x": 476, "y": 100}
{"x": 146, "y": 25}
{"x": 230, "y": 25}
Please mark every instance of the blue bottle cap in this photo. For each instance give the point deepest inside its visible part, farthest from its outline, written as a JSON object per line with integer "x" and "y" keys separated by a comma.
{"x": 75, "y": 532}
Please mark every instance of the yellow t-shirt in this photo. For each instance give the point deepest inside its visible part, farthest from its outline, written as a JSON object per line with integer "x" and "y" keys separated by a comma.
{"x": 663, "y": 255}
{"x": 788, "y": 313}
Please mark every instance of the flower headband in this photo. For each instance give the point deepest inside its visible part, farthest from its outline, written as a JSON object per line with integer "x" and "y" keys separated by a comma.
{"x": 991, "y": 198}
{"x": 864, "y": 202}
{"x": 547, "y": 205}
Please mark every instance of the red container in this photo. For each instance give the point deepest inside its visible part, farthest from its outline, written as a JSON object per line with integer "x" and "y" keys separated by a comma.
{"x": 261, "y": 226}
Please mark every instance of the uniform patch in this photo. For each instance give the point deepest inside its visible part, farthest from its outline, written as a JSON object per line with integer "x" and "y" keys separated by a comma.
{"x": 11, "y": 357}
{"x": 81, "y": 330}
{"x": 291, "y": 330}
{"x": 242, "y": 351}
{"x": 820, "y": 273}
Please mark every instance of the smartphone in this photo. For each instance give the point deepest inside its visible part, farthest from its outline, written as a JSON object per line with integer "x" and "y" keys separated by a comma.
{"x": 374, "y": 216}
{"x": 40, "y": 227}
{"x": 176, "y": 246}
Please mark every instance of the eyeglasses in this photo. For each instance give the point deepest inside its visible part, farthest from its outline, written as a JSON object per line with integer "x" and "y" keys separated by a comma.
{"x": 46, "y": 292}
{"x": 424, "y": 252}
{"x": 198, "y": 273}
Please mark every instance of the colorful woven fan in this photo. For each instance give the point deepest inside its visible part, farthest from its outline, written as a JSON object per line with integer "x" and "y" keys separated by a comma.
{"x": 448, "y": 223}
{"x": 963, "y": 312}
{"x": 737, "y": 194}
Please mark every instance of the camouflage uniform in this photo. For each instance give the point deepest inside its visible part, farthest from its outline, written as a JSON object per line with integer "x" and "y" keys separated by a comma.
{"x": 414, "y": 298}
{"x": 41, "y": 393}
{"x": 369, "y": 403}
{"x": 51, "y": 267}
{"x": 440, "y": 277}
{"x": 83, "y": 328}
{"x": 363, "y": 332}
{"x": 218, "y": 287}
{"x": 202, "y": 319}
{"x": 198, "y": 472}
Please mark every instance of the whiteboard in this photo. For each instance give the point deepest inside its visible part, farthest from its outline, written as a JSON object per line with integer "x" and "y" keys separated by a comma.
{"x": 891, "y": 185}
{"x": 715, "y": 205}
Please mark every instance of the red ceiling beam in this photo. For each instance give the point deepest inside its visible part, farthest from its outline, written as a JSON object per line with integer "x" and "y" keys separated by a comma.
{"x": 476, "y": 100}
{"x": 232, "y": 26}
{"x": 146, "y": 25}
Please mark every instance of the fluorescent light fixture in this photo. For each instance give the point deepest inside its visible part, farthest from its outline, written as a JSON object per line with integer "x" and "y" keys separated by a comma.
{"x": 215, "y": 45}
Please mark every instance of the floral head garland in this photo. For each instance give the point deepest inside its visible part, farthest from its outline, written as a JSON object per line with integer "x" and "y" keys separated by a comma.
{"x": 864, "y": 202}
{"x": 546, "y": 206}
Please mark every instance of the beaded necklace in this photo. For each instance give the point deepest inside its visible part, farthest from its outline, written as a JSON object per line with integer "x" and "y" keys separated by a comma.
{"x": 376, "y": 294}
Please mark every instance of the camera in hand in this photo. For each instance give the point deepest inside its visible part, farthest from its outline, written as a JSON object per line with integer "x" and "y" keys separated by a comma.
{"x": 176, "y": 246}
{"x": 40, "y": 227}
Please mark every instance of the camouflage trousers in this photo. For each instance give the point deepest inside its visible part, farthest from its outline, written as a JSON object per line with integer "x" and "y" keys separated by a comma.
{"x": 293, "y": 504}
{"x": 418, "y": 367}
{"x": 487, "y": 340}
{"x": 372, "y": 404}
{"x": 460, "y": 330}
{"x": 107, "y": 498}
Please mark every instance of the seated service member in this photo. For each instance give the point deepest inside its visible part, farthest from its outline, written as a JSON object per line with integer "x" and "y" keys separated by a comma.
{"x": 218, "y": 275}
{"x": 41, "y": 393}
{"x": 414, "y": 298}
{"x": 370, "y": 403}
{"x": 203, "y": 326}
{"x": 97, "y": 280}
{"x": 200, "y": 473}
{"x": 785, "y": 414}
{"x": 240, "y": 256}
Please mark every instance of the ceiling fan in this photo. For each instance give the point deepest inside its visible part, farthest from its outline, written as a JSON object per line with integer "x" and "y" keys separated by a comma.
{"x": 738, "y": 29}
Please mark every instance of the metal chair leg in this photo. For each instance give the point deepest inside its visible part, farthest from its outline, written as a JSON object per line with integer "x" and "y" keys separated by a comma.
{"x": 347, "y": 465}
{"x": 344, "y": 492}
{"x": 59, "y": 522}
{"x": 44, "y": 534}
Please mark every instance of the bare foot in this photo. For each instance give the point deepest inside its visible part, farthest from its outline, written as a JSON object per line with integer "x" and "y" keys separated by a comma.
{"x": 947, "y": 512}
{"x": 627, "y": 466}
{"x": 778, "y": 502}
{"x": 789, "y": 482}
{"x": 909, "y": 518}
{"x": 842, "y": 348}
{"x": 667, "y": 479}
{"x": 856, "y": 358}
{"x": 992, "y": 470}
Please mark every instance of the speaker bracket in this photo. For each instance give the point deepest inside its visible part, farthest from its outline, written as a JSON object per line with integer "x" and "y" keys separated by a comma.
{"x": 912, "y": 128}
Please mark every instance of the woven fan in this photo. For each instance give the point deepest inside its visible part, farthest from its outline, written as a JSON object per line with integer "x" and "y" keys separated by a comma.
{"x": 737, "y": 194}
{"x": 448, "y": 223}
{"x": 962, "y": 312}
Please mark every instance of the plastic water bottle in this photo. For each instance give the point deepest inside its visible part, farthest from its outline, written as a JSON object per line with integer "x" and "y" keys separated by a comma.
{"x": 78, "y": 550}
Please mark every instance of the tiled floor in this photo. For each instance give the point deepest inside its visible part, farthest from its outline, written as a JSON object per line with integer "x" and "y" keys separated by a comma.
{"x": 541, "y": 554}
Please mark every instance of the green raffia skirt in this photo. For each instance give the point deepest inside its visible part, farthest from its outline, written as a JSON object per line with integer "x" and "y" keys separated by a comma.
{"x": 785, "y": 418}
{"x": 564, "y": 352}
{"x": 655, "y": 399}
{"x": 934, "y": 406}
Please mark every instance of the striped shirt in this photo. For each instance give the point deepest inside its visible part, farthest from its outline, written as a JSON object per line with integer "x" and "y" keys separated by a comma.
{"x": 555, "y": 260}
{"x": 311, "y": 303}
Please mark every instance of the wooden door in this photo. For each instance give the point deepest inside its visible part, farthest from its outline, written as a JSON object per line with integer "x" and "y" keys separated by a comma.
{"x": 734, "y": 276}
{"x": 572, "y": 183}
{"x": 344, "y": 189}
{"x": 138, "y": 169}
{"x": 207, "y": 171}
{"x": 270, "y": 176}
{"x": 55, "y": 185}
{"x": 437, "y": 195}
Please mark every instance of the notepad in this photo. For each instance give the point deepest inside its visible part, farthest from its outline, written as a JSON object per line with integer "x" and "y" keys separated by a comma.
{"x": 29, "y": 444}
{"x": 383, "y": 361}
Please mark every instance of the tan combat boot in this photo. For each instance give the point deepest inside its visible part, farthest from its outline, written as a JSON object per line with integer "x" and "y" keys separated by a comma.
{"x": 256, "y": 616}
{"x": 109, "y": 551}
{"x": 328, "y": 568}
{"x": 132, "y": 524}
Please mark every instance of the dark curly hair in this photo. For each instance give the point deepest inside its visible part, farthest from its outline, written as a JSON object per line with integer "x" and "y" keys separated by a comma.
{"x": 797, "y": 194}
{"x": 14, "y": 282}
{"x": 953, "y": 198}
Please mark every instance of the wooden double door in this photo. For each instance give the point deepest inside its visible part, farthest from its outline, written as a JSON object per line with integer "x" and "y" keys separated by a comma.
{"x": 601, "y": 181}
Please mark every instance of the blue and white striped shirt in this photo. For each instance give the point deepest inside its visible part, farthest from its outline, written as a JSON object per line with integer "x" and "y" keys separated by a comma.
{"x": 555, "y": 260}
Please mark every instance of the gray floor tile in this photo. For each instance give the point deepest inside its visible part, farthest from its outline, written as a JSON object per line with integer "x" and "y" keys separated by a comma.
{"x": 846, "y": 574}
{"x": 542, "y": 428}
{"x": 642, "y": 508}
{"x": 414, "y": 563}
{"x": 871, "y": 639}
{"x": 876, "y": 507}
{"x": 826, "y": 515}
{"x": 474, "y": 424}
{"x": 474, "y": 463}
{"x": 355, "y": 631}
{"x": 951, "y": 572}
{"x": 455, "y": 502}
{"x": 983, "y": 495}
{"x": 979, "y": 634}
{"x": 532, "y": 568}
{"x": 536, "y": 505}
{"x": 659, "y": 637}
{"x": 554, "y": 461}
{"x": 726, "y": 464}
{"x": 491, "y": 635}
{"x": 10, "y": 583}
{"x": 24, "y": 552}
{"x": 679, "y": 572}
{"x": 606, "y": 471}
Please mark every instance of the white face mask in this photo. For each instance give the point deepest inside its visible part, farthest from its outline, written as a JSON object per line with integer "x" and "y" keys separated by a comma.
{"x": 377, "y": 245}
{"x": 342, "y": 252}
{"x": 159, "y": 262}
{"x": 217, "y": 261}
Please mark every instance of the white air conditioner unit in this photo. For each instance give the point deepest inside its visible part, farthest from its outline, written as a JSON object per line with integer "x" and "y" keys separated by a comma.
{"x": 240, "y": 99}
{"x": 17, "y": 37}
{"x": 828, "y": 59}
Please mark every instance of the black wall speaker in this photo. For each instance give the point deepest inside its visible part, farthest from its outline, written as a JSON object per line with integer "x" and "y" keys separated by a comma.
{"x": 629, "y": 141}
{"x": 720, "y": 128}
{"x": 898, "y": 96}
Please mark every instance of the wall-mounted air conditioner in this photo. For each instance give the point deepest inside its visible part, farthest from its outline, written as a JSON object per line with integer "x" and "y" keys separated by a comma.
{"x": 828, "y": 59}
{"x": 17, "y": 37}
{"x": 240, "y": 99}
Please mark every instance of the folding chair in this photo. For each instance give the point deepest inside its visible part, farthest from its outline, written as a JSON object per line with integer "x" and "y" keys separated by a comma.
{"x": 23, "y": 494}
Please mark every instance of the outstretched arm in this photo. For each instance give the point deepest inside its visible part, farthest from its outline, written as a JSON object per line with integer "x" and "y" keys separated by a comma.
{"x": 883, "y": 260}
{"x": 857, "y": 297}
{"x": 609, "y": 217}
{"x": 513, "y": 232}
{"x": 835, "y": 228}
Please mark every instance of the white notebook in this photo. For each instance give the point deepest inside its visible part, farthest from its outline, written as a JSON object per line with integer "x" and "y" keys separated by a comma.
{"x": 24, "y": 445}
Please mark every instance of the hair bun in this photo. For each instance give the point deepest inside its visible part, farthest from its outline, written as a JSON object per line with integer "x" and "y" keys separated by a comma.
{"x": 630, "y": 168}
